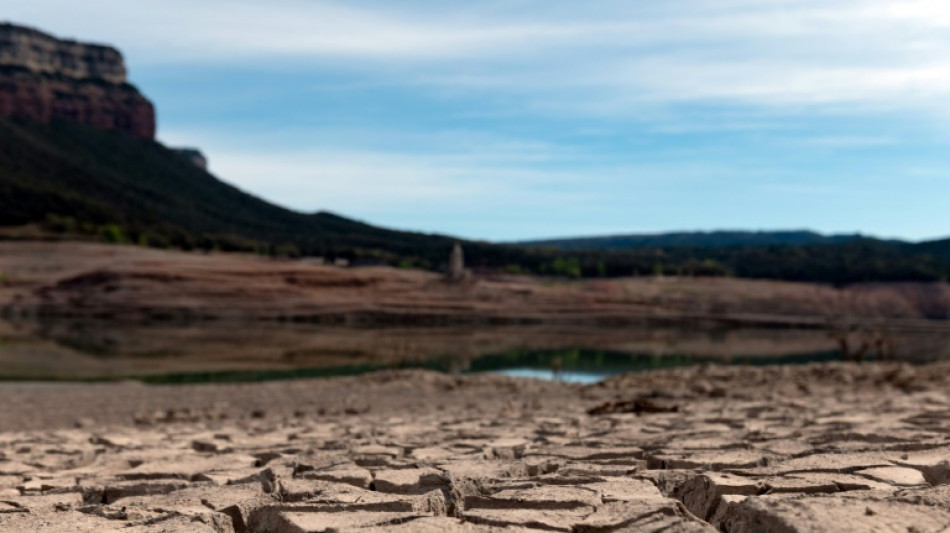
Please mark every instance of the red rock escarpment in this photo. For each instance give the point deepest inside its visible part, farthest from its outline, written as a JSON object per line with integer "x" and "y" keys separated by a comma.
{"x": 44, "y": 79}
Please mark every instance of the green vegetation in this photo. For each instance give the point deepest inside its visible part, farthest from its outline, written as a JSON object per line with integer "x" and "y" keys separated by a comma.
{"x": 566, "y": 266}
{"x": 81, "y": 182}
{"x": 514, "y": 269}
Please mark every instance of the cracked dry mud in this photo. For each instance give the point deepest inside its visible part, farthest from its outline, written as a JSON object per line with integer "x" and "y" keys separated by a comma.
{"x": 831, "y": 447}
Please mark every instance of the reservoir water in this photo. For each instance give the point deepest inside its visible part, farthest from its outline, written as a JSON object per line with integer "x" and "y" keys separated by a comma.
{"x": 222, "y": 351}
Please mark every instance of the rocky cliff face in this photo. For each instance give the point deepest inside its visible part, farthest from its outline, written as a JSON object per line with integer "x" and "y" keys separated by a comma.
{"x": 44, "y": 79}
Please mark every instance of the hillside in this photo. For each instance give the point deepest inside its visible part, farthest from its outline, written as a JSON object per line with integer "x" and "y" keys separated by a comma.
{"x": 77, "y": 179}
{"x": 787, "y": 255}
{"x": 938, "y": 248}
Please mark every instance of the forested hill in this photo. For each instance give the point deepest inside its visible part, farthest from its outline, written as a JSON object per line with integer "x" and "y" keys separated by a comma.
{"x": 82, "y": 182}
{"x": 787, "y": 255}
{"x": 695, "y": 239}
{"x": 78, "y": 180}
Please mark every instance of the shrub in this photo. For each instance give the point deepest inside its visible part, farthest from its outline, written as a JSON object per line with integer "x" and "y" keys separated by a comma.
{"x": 112, "y": 233}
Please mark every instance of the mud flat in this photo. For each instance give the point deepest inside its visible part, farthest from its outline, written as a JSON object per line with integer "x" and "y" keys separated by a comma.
{"x": 829, "y": 447}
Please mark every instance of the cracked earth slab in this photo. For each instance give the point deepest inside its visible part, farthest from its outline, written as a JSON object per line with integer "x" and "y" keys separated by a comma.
{"x": 828, "y": 447}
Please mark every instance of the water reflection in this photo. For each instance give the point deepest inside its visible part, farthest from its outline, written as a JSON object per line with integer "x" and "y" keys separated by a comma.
{"x": 583, "y": 378}
{"x": 222, "y": 351}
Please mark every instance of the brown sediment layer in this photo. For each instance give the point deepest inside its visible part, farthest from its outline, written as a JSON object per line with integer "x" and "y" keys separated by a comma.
{"x": 139, "y": 284}
{"x": 832, "y": 447}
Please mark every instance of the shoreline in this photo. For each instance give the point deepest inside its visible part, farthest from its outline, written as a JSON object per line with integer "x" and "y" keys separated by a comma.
{"x": 379, "y": 390}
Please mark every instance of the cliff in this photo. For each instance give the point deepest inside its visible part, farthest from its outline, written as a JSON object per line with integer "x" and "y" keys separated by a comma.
{"x": 43, "y": 78}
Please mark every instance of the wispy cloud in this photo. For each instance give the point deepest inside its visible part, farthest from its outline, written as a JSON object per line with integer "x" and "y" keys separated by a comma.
{"x": 784, "y": 52}
{"x": 839, "y": 142}
{"x": 473, "y": 185}
{"x": 456, "y": 170}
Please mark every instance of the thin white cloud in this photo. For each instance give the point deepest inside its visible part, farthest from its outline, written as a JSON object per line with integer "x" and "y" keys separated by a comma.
{"x": 382, "y": 182}
{"x": 183, "y": 30}
{"x": 838, "y": 142}
{"x": 629, "y": 55}
{"x": 472, "y": 175}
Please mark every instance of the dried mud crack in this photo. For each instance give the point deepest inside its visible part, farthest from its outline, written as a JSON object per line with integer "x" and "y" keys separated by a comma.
{"x": 867, "y": 449}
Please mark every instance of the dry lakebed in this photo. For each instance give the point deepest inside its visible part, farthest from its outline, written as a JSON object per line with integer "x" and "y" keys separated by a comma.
{"x": 820, "y": 447}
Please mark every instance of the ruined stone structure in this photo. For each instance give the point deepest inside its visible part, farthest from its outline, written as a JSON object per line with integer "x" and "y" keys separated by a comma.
{"x": 456, "y": 271}
{"x": 43, "y": 78}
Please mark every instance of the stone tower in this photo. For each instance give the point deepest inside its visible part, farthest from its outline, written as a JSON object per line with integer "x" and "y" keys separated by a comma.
{"x": 456, "y": 271}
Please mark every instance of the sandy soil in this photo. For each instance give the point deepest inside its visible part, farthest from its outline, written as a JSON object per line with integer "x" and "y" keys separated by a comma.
{"x": 832, "y": 447}
{"x": 137, "y": 284}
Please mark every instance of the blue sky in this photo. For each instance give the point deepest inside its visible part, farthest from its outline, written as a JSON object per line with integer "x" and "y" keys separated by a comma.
{"x": 516, "y": 119}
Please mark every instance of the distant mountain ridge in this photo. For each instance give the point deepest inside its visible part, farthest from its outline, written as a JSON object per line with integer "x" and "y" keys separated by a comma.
{"x": 695, "y": 239}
